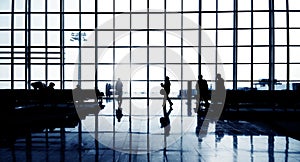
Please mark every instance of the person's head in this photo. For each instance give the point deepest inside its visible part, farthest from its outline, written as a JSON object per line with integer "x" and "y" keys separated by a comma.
{"x": 167, "y": 78}
{"x": 218, "y": 76}
{"x": 119, "y": 79}
{"x": 200, "y": 77}
{"x": 77, "y": 86}
{"x": 51, "y": 84}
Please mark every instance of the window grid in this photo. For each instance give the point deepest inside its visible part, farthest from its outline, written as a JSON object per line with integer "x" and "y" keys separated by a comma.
{"x": 220, "y": 29}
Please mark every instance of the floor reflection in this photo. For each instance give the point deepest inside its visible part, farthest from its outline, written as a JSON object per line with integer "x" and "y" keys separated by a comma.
{"x": 138, "y": 136}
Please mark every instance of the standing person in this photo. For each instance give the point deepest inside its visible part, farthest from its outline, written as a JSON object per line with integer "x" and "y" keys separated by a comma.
{"x": 166, "y": 87}
{"x": 220, "y": 83}
{"x": 202, "y": 89}
{"x": 119, "y": 91}
{"x": 220, "y": 88}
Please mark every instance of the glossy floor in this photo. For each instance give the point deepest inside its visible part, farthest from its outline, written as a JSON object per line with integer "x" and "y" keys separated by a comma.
{"x": 139, "y": 137}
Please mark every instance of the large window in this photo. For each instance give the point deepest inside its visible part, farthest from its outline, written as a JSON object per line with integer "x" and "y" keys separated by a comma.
{"x": 250, "y": 40}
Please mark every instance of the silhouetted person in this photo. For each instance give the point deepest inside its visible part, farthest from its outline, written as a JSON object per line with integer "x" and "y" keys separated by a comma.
{"x": 51, "y": 86}
{"x": 38, "y": 85}
{"x": 166, "y": 87}
{"x": 119, "y": 91}
{"x": 202, "y": 91}
{"x": 220, "y": 88}
{"x": 107, "y": 90}
{"x": 119, "y": 114}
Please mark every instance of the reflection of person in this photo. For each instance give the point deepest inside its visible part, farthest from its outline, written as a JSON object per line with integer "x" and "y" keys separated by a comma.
{"x": 166, "y": 87}
{"x": 165, "y": 120}
{"x": 119, "y": 91}
{"x": 202, "y": 125}
{"x": 119, "y": 114}
{"x": 202, "y": 89}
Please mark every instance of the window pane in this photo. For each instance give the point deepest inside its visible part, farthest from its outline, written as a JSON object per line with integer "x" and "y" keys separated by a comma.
{"x": 225, "y": 37}
{"x": 225, "y": 20}
{"x": 260, "y": 37}
{"x": 294, "y": 4}
{"x": 37, "y": 6}
{"x": 37, "y": 72}
{"x": 5, "y": 21}
{"x": 53, "y": 21}
{"x": 71, "y": 5}
{"x": 139, "y": 5}
{"x": 5, "y": 6}
{"x": 156, "y": 5}
{"x": 53, "y": 72}
{"x": 173, "y": 5}
{"x": 208, "y": 20}
{"x": 260, "y": 19}
{"x": 280, "y": 54}
{"x": 105, "y": 6}
{"x": 293, "y": 19}
{"x": 244, "y": 72}
{"x": 261, "y": 55}
{"x": 71, "y": 21}
{"x": 191, "y": 5}
{"x": 88, "y": 5}
{"x": 279, "y": 5}
{"x": 260, "y": 71}
{"x": 88, "y": 21}
{"x": 225, "y": 55}
{"x": 294, "y": 36}
{"x": 53, "y": 38}
{"x": 20, "y": 6}
{"x": 280, "y": 71}
{"x": 19, "y": 21}
{"x": 37, "y": 38}
{"x": 244, "y": 55}
{"x": 208, "y": 5}
{"x": 225, "y": 5}
{"x": 294, "y": 72}
{"x": 294, "y": 55}
{"x": 5, "y": 72}
{"x": 190, "y": 55}
{"x": 280, "y": 37}
{"x": 139, "y": 55}
{"x": 244, "y": 20}
{"x": 37, "y": 21}
{"x": 5, "y": 38}
{"x": 71, "y": 55}
{"x": 280, "y": 19}
{"x": 19, "y": 38}
{"x": 53, "y": 6}
{"x": 244, "y": 5}
{"x": 244, "y": 37}
{"x": 260, "y": 4}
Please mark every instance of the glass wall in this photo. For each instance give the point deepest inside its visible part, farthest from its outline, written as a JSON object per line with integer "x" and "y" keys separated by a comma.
{"x": 251, "y": 40}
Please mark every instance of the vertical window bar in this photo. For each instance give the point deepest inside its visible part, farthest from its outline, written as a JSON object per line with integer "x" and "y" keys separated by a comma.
{"x": 79, "y": 40}
{"x": 199, "y": 37}
{"x": 216, "y": 41}
{"x": 46, "y": 43}
{"x": 271, "y": 45}
{"x": 252, "y": 82}
{"x": 28, "y": 44}
{"x": 12, "y": 44}
{"x": 235, "y": 33}
{"x": 148, "y": 102}
{"x": 288, "y": 45}
{"x": 62, "y": 54}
